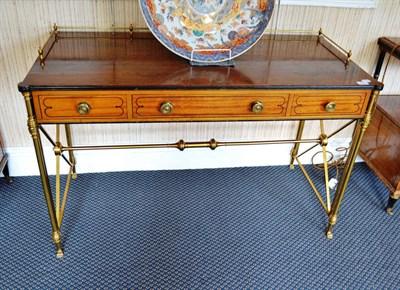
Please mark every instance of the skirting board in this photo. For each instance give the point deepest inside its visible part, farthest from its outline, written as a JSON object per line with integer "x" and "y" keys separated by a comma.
{"x": 22, "y": 160}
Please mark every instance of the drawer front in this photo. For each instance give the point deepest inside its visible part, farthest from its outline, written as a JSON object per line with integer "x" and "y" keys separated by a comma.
{"x": 159, "y": 107}
{"x": 76, "y": 108}
{"x": 197, "y": 105}
{"x": 351, "y": 104}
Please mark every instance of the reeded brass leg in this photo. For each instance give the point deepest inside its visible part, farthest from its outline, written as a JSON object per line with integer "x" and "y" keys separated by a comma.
{"x": 296, "y": 146}
{"x": 71, "y": 153}
{"x": 361, "y": 127}
{"x": 345, "y": 177}
{"x": 34, "y": 131}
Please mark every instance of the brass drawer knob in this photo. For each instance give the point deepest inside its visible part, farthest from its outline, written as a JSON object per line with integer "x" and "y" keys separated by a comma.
{"x": 83, "y": 108}
{"x": 166, "y": 108}
{"x": 257, "y": 107}
{"x": 330, "y": 107}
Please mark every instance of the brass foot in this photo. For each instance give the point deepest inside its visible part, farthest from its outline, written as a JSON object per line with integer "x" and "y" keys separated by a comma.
{"x": 56, "y": 235}
{"x": 74, "y": 176}
{"x": 8, "y": 178}
{"x": 329, "y": 235}
{"x": 291, "y": 167}
{"x": 60, "y": 253}
{"x": 389, "y": 211}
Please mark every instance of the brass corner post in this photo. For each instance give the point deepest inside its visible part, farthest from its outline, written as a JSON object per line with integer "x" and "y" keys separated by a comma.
{"x": 34, "y": 131}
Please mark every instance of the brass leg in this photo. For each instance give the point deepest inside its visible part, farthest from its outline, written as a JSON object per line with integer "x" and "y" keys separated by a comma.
{"x": 324, "y": 143}
{"x": 34, "y": 131}
{"x": 317, "y": 194}
{"x": 296, "y": 146}
{"x": 344, "y": 178}
{"x": 71, "y": 153}
{"x": 361, "y": 126}
{"x": 60, "y": 206}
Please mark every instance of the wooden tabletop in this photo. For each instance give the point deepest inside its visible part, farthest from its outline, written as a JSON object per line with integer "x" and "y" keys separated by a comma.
{"x": 106, "y": 60}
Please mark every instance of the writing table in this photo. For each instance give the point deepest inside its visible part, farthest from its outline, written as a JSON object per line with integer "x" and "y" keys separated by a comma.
{"x": 127, "y": 76}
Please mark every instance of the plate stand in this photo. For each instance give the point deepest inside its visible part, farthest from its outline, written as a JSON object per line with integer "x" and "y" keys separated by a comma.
{"x": 225, "y": 63}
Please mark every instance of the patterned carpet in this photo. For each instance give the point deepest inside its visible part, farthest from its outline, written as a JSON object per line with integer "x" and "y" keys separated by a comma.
{"x": 238, "y": 228}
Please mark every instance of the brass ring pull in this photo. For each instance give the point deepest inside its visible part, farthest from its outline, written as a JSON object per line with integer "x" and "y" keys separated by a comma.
{"x": 83, "y": 108}
{"x": 257, "y": 107}
{"x": 166, "y": 108}
{"x": 330, "y": 107}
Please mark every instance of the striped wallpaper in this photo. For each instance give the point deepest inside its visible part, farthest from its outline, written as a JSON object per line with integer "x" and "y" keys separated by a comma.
{"x": 25, "y": 25}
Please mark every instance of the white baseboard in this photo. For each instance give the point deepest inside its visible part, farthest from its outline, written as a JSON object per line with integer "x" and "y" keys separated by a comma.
{"x": 22, "y": 160}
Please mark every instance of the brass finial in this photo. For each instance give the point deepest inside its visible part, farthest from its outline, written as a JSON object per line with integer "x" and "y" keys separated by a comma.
{"x": 55, "y": 31}
{"x": 349, "y": 54}
{"x": 41, "y": 57}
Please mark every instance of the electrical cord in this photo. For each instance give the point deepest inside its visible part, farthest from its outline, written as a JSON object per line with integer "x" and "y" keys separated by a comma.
{"x": 338, "y": 163}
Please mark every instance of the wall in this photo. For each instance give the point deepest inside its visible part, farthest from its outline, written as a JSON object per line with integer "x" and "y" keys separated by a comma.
{"x": 25, "y": 25}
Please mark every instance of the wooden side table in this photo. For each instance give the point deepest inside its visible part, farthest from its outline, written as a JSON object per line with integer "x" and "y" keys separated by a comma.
{"x": 4, "y": 162}
{"x": 380, "y": 148}
{"x": 386, "y": 45}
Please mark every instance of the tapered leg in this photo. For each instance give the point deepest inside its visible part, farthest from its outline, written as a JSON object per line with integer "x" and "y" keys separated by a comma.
{"x": 361, "y": 126}
{"x": 344, "y": 178}
{"x": 392, "y": 200}
{"x": 34, "y": 131}
{"x": 6, "y": 172}
{"x": 379, "y": 64}
{"x": 390, "y": 205}
{"x": 296, "y": 146}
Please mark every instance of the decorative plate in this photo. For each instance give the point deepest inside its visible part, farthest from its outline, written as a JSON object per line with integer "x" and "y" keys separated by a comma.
{"x": 207, "y": 30}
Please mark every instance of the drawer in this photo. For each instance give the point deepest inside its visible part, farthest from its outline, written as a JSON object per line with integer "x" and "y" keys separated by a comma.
{"x": 345, "y": 104}
{"x": 234, "y": 106}
{"x": 197, "y": 105}
{"x": 77, "y": 107}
